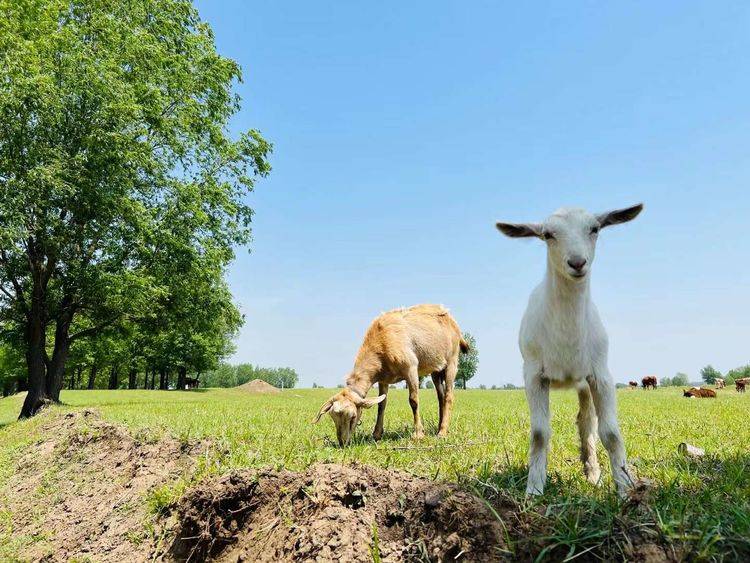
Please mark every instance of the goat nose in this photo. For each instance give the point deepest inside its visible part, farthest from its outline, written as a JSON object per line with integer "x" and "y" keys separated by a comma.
{"x": 577, "y": 263}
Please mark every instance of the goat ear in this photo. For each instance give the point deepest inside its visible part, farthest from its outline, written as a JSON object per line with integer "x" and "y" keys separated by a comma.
{"x": 619, "y": 215}
{"x": 324, "y": 409}
{"x": 367, "y": 403}
{"x": 520, "y": 230}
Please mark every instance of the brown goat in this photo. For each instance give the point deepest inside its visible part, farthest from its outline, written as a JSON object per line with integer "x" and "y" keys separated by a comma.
{"x": 649, "y": 381}
{"x": 633, "y": 384}
{"x": 720, "y": 383}
{"x": 740, "y": 384}
{"x": 700, "y": 393}
{"x": 400, "y": 345}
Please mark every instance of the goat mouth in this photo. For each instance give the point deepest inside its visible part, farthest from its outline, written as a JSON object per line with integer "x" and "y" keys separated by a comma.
{"x": 578, "y": 275}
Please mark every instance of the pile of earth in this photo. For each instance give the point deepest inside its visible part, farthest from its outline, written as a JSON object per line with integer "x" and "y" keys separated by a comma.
{"x": 79, "y": 492}
{"x": 259, "y": 386}
{"x": 334, "y": 512}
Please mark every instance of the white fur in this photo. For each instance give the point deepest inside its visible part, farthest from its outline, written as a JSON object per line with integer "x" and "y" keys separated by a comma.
{"x": 564, "y": 344}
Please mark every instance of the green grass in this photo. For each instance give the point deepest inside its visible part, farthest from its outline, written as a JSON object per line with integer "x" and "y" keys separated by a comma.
{"x": 701, "y": 506}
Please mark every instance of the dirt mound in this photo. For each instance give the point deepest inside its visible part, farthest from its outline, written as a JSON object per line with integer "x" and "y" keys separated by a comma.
{"x": 80, "y": 491}
{"x": 334, "y": 512}
{"x": 258, "y": 386}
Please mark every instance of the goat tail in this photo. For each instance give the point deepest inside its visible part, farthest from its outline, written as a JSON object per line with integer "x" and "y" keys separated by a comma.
{"x": 464, "y": 346}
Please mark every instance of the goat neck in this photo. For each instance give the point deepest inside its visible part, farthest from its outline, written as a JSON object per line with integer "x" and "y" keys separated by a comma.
{"x": 572, "y": 296}
{"x": 360, "y": 381}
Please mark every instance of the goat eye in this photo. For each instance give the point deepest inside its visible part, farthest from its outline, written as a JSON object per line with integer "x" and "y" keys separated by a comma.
{"x": 594, "y": 230}
{"x": 548, "y": 236}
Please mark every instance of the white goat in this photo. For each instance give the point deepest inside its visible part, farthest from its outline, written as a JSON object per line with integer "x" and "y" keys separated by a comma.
{"x": 564, "y": 344}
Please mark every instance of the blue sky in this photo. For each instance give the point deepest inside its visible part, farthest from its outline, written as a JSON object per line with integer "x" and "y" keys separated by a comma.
{"x": 404, "y": 130}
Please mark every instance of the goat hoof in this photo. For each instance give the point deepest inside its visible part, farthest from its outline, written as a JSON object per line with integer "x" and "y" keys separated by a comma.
{"x": 593, "y": 476}
{"x": 418, "y": 435}
{"x": 377, "y": 436}
{"x": 442, "y": 434}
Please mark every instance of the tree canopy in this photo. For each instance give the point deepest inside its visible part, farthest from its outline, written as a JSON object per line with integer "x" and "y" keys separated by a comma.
{"x": 468, "y": 363}
{"x": 120, "y": 185}
{"x": 709, "y": 374}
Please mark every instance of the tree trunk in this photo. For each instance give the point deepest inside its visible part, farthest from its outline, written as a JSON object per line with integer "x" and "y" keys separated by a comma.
{"x": 56, "y": 373}
{"x": 181, "y": 375}
{"x": 131, "y": 378}
{"x": 79, "y": 373}
{"x": 36, "y": 340}
{"x": 162, "y": 378}
{"x": 113, "y": 375}
{"x": 92, "y": 376}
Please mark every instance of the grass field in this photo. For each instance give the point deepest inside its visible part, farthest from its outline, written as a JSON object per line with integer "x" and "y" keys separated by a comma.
{"x": 697, "y": 507}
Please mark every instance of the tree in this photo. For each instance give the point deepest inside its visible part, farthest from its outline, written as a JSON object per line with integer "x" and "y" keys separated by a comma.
{"x": 680, "y": 380}
{"x": 114, "y": 155}
{"x": 737, "y": 373}
{"x": 11, "y": 369}
{"x": 709, "y": 374}
{"x": 468, "y": 362}
{"x": 666, "y": 382}
{"x": 429, "y": 385}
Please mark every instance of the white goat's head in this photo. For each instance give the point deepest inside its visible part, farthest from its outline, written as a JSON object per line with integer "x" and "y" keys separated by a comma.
{"x": 571, "y": 236}
{"x": 345, "y": 408}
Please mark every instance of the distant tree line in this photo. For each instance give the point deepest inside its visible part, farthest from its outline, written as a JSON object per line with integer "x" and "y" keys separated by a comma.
{"x": 227, "y": 375}
{"x": 709, "y": 374}
{"x": 679, "y": 380}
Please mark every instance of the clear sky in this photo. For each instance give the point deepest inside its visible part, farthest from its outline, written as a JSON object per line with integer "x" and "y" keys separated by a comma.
{"x": 404, "y": 130}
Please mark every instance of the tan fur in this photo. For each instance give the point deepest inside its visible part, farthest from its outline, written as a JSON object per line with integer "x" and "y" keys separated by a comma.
{"x": 402, "y": 345}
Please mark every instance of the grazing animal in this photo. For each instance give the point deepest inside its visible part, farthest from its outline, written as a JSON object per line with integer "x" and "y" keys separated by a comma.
{"x": 633, "y": 384}
{"x": 400, "y": 345}
{"x": 740, "y": 384}
{"x": 720, "y": 383}
{"x": 649, "y": 381}
{"x": 564, "y": 344}
{"x": 700, "y": 393}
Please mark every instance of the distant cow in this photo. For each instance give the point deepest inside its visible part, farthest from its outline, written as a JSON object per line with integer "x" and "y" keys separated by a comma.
{"x": 649, "y": 381}
{"x": 720, "y": 383}
{"x": 700, "y": 393}
{"x": 740, "y": 384}
{"x": 633, "y": 384}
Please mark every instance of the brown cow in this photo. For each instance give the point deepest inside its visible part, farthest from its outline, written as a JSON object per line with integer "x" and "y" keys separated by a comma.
{"x": 633, "y": 384}
{"x": 700, "y": 393}
{"x": 739, "y": 384}
{"x": 649, "y": 381}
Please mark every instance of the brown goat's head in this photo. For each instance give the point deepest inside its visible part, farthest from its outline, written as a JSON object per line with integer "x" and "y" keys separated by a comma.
{"x": 345, "y": 408}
